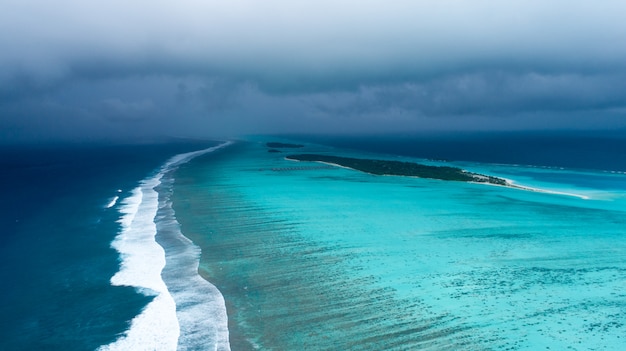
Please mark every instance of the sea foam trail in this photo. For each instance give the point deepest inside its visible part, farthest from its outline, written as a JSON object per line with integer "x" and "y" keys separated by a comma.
{"x": 142, "y": 261}
{"x": 112, "y": 202}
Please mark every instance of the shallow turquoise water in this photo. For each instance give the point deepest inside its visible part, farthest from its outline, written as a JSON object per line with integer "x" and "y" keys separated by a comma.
{"x": 311, "y": 257}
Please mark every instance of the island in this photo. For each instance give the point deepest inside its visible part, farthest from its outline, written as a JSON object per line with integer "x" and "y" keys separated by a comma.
{"x": 399, "y": 168}
{"x": 276, "y": 145}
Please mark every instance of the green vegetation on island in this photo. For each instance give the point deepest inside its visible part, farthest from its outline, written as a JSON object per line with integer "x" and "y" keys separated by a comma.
{"x": 399, "y": 168}
{"x": 277, "y": 145}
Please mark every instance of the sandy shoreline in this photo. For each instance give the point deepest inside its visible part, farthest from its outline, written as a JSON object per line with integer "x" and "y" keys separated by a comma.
{"x": 511, "y": 184}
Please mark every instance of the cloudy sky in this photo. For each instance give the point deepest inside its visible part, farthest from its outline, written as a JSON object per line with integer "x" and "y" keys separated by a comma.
{"x": 87, "y": 70}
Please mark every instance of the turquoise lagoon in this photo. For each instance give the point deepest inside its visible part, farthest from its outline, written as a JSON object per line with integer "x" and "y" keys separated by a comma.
{"x": 312, "y": 257}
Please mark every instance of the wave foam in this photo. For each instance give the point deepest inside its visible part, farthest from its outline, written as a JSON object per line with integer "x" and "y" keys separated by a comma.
{"x": 112, "y": 202}
{"x": 142, "y": 262}
{"x": 196, "y": 299}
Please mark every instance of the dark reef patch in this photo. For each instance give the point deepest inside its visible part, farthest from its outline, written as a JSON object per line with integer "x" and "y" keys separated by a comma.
{"x": 277, "y": 145}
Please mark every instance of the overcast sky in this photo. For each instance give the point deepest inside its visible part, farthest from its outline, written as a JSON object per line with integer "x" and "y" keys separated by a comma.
{"x": 86, "y": 70}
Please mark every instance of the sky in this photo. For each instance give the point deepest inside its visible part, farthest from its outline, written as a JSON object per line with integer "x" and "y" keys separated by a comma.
{"x": 107, "y": 70}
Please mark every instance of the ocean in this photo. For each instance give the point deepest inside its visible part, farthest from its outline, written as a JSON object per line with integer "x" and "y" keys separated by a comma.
{"x": 228, "y": 246}
{"x": 59, "y": 216}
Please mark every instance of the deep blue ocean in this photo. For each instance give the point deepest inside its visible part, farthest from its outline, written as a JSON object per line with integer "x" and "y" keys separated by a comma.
{"x": 323, "y": 257}
{"x": 582, "y": 150}
{"x": 55, "y": 242}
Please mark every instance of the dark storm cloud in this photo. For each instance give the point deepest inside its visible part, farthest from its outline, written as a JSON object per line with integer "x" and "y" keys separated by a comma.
{"x": 106, "y": 69}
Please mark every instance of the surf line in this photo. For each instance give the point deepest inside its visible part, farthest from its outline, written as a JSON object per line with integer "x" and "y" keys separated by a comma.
{"x": 142, "y": 261}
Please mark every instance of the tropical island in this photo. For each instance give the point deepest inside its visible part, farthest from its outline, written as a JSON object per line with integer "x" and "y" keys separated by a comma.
{"x": 399, "y": 168}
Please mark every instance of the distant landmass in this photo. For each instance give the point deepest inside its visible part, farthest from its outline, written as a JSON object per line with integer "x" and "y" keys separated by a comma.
{"x": 277, "y": 145}
{"x": 399, "y": 168}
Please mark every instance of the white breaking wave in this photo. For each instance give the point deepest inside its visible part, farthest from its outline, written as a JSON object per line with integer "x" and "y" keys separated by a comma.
{"x": 142, "y": 262}
{"x": 200, "y": 306}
